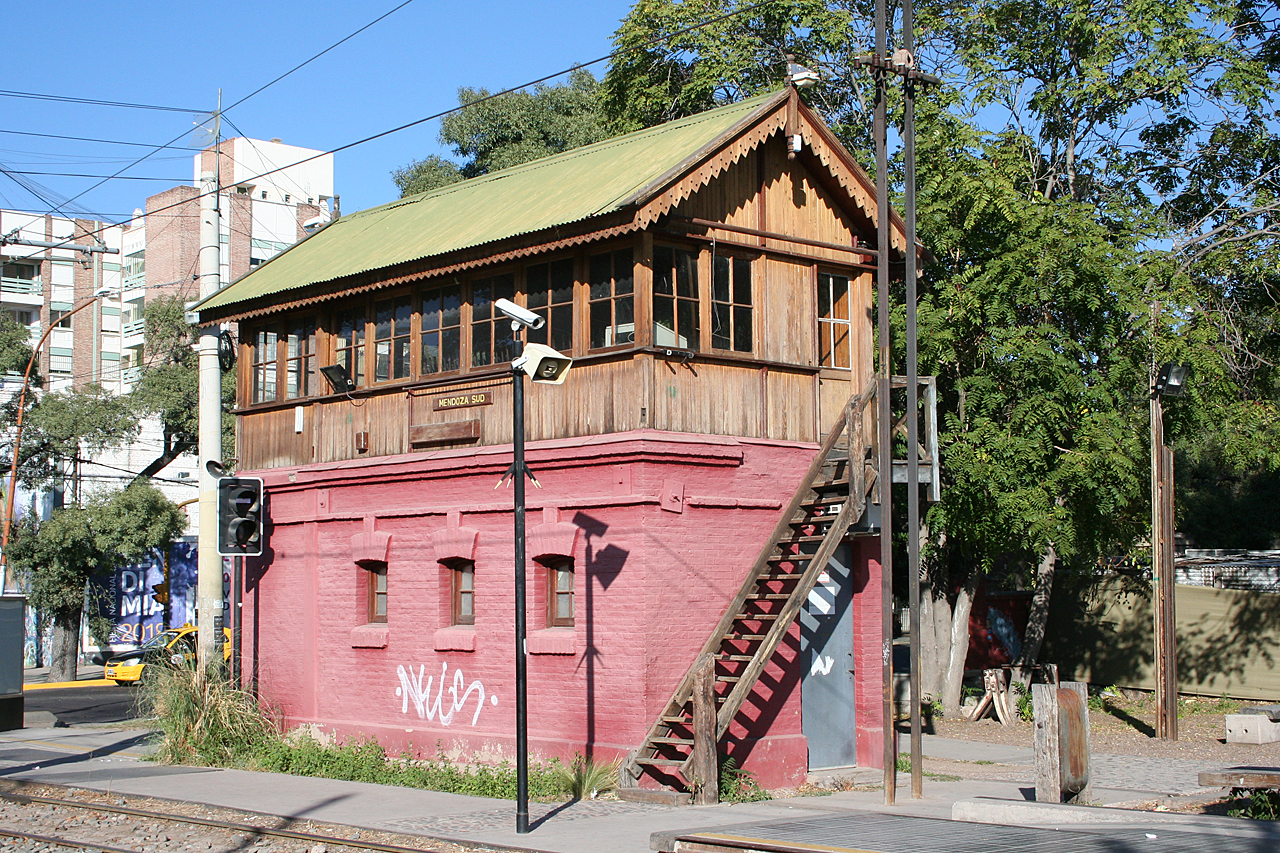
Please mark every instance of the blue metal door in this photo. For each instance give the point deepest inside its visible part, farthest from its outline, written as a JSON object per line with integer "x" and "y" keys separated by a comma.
{"x": 826, "y": 650}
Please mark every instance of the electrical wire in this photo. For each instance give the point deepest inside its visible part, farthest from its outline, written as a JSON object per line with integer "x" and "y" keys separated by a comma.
{"x": 613, "y": 55}
{"x": 74, "y": 175}
{"x": 67, "y": 99}
{"x": 93, "y": 139}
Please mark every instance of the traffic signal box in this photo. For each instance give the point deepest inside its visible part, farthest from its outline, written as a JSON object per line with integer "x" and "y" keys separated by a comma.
{"x": 240, "y": 516}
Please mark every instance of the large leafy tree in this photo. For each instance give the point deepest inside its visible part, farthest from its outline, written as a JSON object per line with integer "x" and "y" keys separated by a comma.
{"x": 59, "y": 555}
{"x": 492, "y": 133}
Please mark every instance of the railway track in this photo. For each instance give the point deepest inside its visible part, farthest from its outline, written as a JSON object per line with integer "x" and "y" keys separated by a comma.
{"x": 36, "y": 823}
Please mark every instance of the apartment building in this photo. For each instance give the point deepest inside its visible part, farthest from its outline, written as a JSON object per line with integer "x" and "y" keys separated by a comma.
{"x": 271, "y": 195}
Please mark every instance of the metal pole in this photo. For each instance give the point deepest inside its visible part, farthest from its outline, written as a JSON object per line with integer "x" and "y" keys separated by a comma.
{"x": 913, "y": 403}
{"x": 1170, "y": 653}
{"x": 1158, "y": 569}
{"x": 883, "y": 409}
{"x": 522, "y": 675}
{"x": 209, "y": 563}
{"x": 237, "y": 597}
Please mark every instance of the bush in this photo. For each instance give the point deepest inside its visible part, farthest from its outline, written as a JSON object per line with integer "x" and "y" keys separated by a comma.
{"x": 584, "y": 778}
{"x": 739, "y": 786}
{"x": 203, "y": 719}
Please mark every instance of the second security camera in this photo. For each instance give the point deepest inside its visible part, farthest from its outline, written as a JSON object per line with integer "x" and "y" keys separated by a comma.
{"x": 516, "y": 314}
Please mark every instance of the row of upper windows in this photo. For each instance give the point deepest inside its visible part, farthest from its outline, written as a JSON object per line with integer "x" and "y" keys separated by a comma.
{"x": 454, "y": 327}
{"x": 557, "y": 579}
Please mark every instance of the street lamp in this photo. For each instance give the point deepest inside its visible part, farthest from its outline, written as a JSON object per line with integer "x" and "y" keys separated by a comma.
{"x": 541, "y": 364}
{"x": 17, "y": 438}
{"x": 1170, "y": 381}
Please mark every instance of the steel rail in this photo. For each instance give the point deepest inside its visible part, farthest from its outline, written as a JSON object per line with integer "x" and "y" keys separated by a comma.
{"x": 246, "y": 828}
{"x": 62, "y": 842}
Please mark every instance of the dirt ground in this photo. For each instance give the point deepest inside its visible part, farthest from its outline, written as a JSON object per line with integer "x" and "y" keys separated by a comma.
{"x": 1126, "y": 726}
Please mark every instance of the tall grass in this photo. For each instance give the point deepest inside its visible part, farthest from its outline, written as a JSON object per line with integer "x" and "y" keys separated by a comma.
{"x": 203, "y": 718}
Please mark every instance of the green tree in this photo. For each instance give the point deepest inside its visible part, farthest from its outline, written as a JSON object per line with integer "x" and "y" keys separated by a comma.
{"x": 492, "y": 133}
{"x": 168, "y": 387}
{"x": 59, "y": 555}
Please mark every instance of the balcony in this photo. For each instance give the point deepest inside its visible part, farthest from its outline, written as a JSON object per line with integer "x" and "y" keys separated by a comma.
{"x": 25, "y": 286}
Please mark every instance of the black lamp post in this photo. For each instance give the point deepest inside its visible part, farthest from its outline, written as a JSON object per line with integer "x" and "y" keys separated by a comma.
{"x": 541, "y": 364}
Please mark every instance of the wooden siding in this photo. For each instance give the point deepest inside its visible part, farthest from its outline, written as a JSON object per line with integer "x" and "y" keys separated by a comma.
{"x": 628, "y": 392}
{"x": 772, "y": 392}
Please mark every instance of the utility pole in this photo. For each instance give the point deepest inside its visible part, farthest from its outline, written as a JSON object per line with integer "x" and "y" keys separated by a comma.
{"x": 209, "y": 601}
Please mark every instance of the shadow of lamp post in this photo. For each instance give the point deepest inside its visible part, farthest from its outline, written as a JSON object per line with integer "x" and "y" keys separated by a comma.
{"x": 1169, "y": 382}
{"x": 9, "y": 583}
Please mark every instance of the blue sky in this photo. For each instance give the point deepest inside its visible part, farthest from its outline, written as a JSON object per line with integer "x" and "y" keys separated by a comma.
{"x": 166, "y": 53}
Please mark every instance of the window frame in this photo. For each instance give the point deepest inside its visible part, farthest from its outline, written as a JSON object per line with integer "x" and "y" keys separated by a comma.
{"x": 264, "y": 357}
{"x": 681, "y": 304}
{"x": 556, "y": 569}
{"x": 497, "y": 325}
{"x": 300, "y": 370}
{"x": 834, "y": 345}
{"x": 458, "y": 570}
{"x": 559, "y": 316}
{"x": 377, "y": 578}
{"x": 441, "y": 329}
{"x": 612, "y": 301}
{"x": 403, "y": 299}
{"x": 734, "y": 309}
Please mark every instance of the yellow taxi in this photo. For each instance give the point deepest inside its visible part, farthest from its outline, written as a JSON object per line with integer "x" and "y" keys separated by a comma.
{"x": 171, "y": 647}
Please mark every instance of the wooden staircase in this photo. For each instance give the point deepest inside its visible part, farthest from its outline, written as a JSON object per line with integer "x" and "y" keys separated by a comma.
{"x": 829, "y": 500}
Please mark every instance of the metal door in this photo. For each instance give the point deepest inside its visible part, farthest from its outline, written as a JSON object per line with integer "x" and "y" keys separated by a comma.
{"x": 826, "y": 650}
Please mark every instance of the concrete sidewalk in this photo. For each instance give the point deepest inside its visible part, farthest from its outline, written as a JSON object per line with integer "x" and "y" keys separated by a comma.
{"x": 111, "y": 760}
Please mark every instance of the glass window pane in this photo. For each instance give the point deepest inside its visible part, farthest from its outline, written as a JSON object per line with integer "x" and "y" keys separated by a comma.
{"x": 623, "y": 270}
{"x": 600, "y": 276}
{"x": 562, "y": 280}
{"x": 601, "y": 328}
{"x": 431, "y": 310}
{"x": 400, "y": 362}
{"x": 562, "y": 328}
{"x": 687, "y": 275}
{"x": 451, "y": 349}
{"x": 404, "y": 317}
{"x": 431, "y": 352}
{"x": 480, "y": 344}
{"x": 382, "y": 361}
{"x": 720, "y": 337}
{"x": 742, "y": 329}
{"x": 383, "y": 313}
{"x": 564, "y": 606}
{"x": 664, "y": 322}
{"x": 688, "y": 324}
{"x": 451, "y": 306}
{"x": 663, "y": 270}
{"x": 742, "y": 281}
{"x": 824, "y": 295}
{"x": 720, "y": 279}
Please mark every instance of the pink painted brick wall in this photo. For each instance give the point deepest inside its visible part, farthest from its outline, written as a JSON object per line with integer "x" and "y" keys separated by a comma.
{"x": 650, "y": 585}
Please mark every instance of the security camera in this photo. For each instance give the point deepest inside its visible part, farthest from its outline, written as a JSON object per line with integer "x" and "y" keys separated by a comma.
{"x": 542, "y": 364}
{"x": 516, "y": 314}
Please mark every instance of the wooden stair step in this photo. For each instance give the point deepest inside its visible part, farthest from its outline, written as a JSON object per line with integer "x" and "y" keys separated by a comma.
{"x": 769, "y": 596}
{"x": 661, "y": 762}
{"x": 755, "y": 617}
{"x": 673, "y": 741}
{"x": 744, "y": 636}
{"x": 736, "y": 658}
{"x": 672, "y": 720}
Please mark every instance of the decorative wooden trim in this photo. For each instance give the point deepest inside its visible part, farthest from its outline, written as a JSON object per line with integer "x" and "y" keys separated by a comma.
{"x": 423, "y": 272}
{"x": 709, "y": 168}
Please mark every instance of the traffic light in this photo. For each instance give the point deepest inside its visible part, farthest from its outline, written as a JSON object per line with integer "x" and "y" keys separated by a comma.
{"x": 239, "y": 516}
{"x": 160, "y": 592}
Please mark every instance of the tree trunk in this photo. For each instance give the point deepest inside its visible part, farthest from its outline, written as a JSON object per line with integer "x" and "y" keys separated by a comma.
{"x": 1037, "y": 617}
{"x": 954, "y": 679}
{"x": 935, "y": 668}
{"x": 65, "y": 645}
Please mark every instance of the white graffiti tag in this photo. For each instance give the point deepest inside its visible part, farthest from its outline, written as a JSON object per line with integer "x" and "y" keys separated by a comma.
{"x": 411, "y": 690}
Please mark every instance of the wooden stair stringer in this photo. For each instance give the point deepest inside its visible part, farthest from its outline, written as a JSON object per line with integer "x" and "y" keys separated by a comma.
{"x": 850, "y": 422}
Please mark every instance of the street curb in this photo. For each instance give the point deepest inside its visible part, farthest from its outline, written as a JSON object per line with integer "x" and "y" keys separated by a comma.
{"x": 88, "y": 682}
{"x": 1014, "y": 813}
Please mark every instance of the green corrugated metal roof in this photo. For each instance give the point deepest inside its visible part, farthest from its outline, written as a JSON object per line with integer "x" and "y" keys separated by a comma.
{"x": 569, "y": 187}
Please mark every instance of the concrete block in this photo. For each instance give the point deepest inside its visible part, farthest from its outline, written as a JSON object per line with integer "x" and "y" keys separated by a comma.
{"x": 1251, "y": 728}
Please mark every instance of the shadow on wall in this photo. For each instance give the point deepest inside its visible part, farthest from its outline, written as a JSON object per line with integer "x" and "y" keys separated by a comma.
{"x": 1227, "y": 639}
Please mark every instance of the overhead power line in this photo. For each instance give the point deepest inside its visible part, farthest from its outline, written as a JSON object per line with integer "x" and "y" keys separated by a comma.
{"x": 92, "y": 139}
{"x": 67, "y": 99}
{"x": 75, "y": 175}
{"x": 613, "y": 55}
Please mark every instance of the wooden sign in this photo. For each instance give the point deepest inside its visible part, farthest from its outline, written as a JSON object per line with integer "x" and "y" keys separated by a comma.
{"x": 462, "y": 401}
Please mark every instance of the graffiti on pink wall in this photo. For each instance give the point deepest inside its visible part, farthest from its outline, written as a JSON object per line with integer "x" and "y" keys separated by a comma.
{"x": 411, "y": 692}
